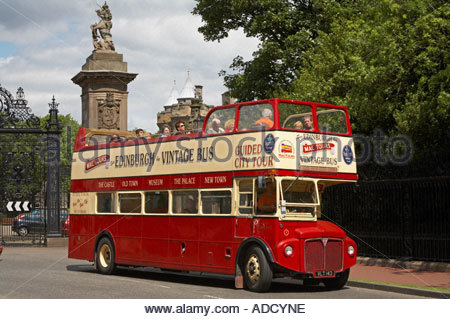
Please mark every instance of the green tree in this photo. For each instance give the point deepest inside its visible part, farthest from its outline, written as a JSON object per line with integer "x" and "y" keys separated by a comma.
{"x": 285, "y": 28}
{"x": 388, "y": 61}
{"x": 69, "y": 130}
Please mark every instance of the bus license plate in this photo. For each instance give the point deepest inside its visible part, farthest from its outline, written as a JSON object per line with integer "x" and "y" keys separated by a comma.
{"x": 324, "y": 273}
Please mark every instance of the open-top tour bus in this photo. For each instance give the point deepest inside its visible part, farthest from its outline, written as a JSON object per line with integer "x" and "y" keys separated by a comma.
{"x": 241, "y": 196}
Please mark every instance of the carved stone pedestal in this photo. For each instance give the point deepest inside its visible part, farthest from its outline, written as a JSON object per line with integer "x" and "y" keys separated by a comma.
{"x": 104, "y": 80}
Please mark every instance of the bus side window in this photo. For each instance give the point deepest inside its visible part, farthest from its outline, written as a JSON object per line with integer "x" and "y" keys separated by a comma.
{"x": 292, "y": 116}
{"x": 221, "y": 121}
{"x": 255, "y": 117}
{"x": 130, "y": 203}
{"x": 156, "y": 202}
{"x": 105, "y": 203}
{"x": 331, "y": 120}
{"x": 185, "y": 202}
{"x": 267, "y": 198}
{"x": 216, "y": 202}
{"x": 245, "y": 196}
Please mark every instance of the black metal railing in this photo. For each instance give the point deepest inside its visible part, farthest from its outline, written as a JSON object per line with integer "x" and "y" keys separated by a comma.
{"x": 407, "y": 219}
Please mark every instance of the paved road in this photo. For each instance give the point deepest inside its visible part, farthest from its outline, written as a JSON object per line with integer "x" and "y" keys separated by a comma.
{"x": 32, "y": 272}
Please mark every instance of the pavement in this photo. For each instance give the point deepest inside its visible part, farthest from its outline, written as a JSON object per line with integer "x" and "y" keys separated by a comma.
{"x": 427, "y": 279}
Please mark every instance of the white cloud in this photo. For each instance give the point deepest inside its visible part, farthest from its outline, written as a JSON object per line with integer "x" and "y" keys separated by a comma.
{"x": 158, "y": 38}
{"x": 6, "y": 60}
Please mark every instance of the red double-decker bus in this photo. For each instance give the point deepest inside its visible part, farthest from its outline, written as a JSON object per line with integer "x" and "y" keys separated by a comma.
{"x": 241, "y": 196}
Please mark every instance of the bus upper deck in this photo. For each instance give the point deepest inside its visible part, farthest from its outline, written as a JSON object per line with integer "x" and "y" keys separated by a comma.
{"x": 283, "y": 137}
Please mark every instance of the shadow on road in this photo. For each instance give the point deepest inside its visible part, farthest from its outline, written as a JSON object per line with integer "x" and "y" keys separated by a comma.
{"x": 82, "y": 268}
{"x": 199, "y": 279}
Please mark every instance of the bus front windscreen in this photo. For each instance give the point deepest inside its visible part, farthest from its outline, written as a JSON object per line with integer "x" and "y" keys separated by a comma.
{"x": 300, "y": 196}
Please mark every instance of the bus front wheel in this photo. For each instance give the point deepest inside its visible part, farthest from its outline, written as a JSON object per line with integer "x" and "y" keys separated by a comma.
{"x": 257, "y": 271}
{"x": 338, "y": 282}
{"x": 105, "y": 256}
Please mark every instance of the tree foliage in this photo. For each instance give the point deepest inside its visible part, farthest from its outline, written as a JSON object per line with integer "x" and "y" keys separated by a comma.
{"x": 388, "y": 61}
{"x": 69, "y": 130}
{"x": 285, "y": 28}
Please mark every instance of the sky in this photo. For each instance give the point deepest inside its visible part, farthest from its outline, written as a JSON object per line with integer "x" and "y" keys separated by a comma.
{"x": 44, "y": 43}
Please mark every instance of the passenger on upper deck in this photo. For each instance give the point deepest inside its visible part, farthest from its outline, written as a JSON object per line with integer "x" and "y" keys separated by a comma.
{"x": 308, "y": 122}
{"x": 229, "y": 125}
{"x": 298, "y": 125}
{"x": 165, "y": 131}
{"x": 115, "y": 138}
{"x": 139, "y": 133}
{"x": 267, "y": 201}
{"x": 266, "y": 119}
{"x": 215, "y": 127}
{"x": 181, "y": 128}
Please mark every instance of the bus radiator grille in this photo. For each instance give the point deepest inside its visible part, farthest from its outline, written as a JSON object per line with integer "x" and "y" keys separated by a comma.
{"x": 323, "y": 254}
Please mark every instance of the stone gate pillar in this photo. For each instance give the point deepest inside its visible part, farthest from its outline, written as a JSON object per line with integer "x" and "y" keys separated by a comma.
{"x": 104, "y": 95}
{"x": 104, "y": 79}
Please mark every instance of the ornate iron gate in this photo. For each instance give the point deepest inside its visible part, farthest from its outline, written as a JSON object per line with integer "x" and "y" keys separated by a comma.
{"x": 29, "y": 172}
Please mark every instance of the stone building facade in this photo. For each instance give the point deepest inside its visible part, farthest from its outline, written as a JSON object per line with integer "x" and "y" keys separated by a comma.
{"x": 186, "y": 106}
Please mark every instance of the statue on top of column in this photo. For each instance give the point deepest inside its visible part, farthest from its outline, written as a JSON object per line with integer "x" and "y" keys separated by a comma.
{"x": 103, "y": 27}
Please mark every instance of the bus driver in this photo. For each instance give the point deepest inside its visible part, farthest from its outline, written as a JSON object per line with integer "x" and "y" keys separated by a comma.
{"x": 267, "y": 200}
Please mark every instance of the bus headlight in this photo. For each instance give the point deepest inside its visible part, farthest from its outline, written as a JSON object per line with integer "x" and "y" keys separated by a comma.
{"x": 288, "y": 251}
{"x": 351, "y": 250}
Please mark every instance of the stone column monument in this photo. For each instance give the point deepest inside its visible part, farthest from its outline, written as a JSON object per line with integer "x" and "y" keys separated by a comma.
{"x": 104, "y": 79}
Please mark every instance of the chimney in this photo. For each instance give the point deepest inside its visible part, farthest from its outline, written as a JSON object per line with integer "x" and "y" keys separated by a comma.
{"x": 227, "y": 99}
{"x": 199, "y": 92}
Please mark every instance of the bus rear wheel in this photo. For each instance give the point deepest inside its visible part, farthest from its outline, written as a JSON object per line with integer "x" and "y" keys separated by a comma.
{"x": 105, "y": 257}
{"x": 338, "y": 282}
{"x": 257, "y": 271}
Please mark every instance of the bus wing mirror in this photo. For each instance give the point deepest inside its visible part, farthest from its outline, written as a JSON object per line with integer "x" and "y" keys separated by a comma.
{"x": 261, "y": 182}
